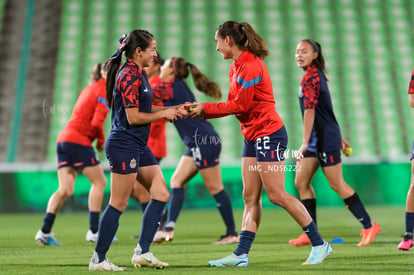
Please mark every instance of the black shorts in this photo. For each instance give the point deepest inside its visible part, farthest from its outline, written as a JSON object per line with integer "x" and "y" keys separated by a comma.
{"x": 325, "y": 159}
{"x": 205, "y": 156}
{"x": 125, "y": 157}
{"x": 269, "y": 148}
{"x": 412, "y": 152}
{"x": 75, "y": 155}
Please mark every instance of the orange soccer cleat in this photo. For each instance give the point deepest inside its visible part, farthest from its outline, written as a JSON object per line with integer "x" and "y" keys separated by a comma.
{"x": 369, "y": 234}
{"x": 302, "y": 240}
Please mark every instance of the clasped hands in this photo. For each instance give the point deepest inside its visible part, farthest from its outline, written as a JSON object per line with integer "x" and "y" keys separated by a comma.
{"x": 186, "y": 110}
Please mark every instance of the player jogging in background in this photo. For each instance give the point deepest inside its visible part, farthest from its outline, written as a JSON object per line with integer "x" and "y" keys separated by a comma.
{"x": 407, "y": 241}
{"x": 322, "y": 143}
{"x": 251, "y": 100}
{"x": 203, "y": 147}
{"x": 130, "y": 96}
{"x": 76, "y": 155}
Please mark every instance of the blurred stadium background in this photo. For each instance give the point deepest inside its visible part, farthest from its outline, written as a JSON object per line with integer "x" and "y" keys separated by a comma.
{"x": 48, "y": 48}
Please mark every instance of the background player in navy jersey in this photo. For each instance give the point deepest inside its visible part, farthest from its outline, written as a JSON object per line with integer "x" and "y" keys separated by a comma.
{"x": 251, "y": 100}
{"x": 322, "y": 143}
{"x": 157, "y": 140}
{"x": 76, "y": 155}
{"x": 407, "y": 242}
{"x": 203, "y": 146}
{"x": 130, "y": 95}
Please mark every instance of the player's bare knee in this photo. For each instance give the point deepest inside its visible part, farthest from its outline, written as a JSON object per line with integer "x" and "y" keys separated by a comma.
{"x": 65, "y": 192}
{"x": 101, "y": 184}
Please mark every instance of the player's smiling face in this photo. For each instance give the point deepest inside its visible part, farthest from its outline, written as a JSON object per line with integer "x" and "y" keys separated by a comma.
{"x": 304, "y": 55}
{"x": 223, "y": 46}
{"x": 149, "y": 54}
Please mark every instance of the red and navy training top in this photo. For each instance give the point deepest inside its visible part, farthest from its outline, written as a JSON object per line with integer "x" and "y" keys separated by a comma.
{"x": 250, "y": 98}
{"x": 132, "y": 90}
{"x": 314, "y": 94}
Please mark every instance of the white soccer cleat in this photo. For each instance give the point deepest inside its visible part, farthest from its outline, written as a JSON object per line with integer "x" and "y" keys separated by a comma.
{"x": 163, "y": 236}
{"x": 147, "y": 260}
{"x": 93, "y": 237}
{"x": 105, "y": 265}
{"x": 46, "y": 239}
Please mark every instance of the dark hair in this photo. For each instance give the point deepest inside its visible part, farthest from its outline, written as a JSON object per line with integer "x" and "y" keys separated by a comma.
{"x": 182, "y": 69}
{"x": 158, "y": 59}
{"x": 96, "y": 73}
{"x": 136, "y": 38}
{"x": 244, "y": 36}
{"x": 319, "y": 62}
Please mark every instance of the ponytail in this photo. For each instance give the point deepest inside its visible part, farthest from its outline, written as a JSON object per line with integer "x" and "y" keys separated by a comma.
{"x": 244, "y": 36}
{"x": 255, "y": 43}
{"x": 181, "y": 69}
{"x": 135, "y": 39}
{"x": 114, "y": 62}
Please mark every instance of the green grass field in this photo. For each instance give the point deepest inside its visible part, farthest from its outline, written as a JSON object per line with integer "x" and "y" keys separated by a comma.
{"x": 191, "y": 248}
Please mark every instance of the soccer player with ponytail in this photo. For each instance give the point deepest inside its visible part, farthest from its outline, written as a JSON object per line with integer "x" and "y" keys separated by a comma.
{"x": 130, "y": 96}
{"x": 75, "y": 155}
{"x": 322, "y": 143}
{"x": 251, "y": 100}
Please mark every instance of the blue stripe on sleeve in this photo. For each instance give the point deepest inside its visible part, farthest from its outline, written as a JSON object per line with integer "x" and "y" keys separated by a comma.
{"x": 103, "y": 100}
{"x": 246, "y": 84}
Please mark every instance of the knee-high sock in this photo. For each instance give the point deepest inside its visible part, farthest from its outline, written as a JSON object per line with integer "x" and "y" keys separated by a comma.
{"x": 48, "y": 222}
{"x": 356, "y": 207}
{"x": 310, "y": 205}
{"x": 409, "y": 222}
{"x": 107, "y": 228}
{"x": 150, "y": 222}
{"x": 226, "y": 211}
{"x": 245, "y": 243}
{"x": 93, "y": 221}
{"x": 313, "y": 234}
{"x": 174, "y": 207}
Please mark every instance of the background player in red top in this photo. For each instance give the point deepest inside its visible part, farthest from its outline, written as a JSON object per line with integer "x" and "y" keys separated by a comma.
{"x": 407, "y": 242}
{"x": 157, "y": 140}
{"x": 76, "y": 155}
{"x": 322, "y": 143}
{"x": 251, "y": 100}
{"x": 203, "y": 147}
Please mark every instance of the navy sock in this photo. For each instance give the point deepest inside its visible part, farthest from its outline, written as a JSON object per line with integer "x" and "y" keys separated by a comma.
{"x": 93, "y": 221}
{"x": 174, "y": 207}
{"x": 48, "y": 222}
{"x": 144, "y": 206}
{"x": 150, "y": 222}
{"x": 245, "y": 243}
{"x": 313, "y": 234}
{"x": 107, "y": 228}
{"x": 310, "y": 205}
{"x": 163, "y": 219}
{"x": 356, "y": 207}
{"x": 409, "y": 222}
{"x": 226, "y": 211}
